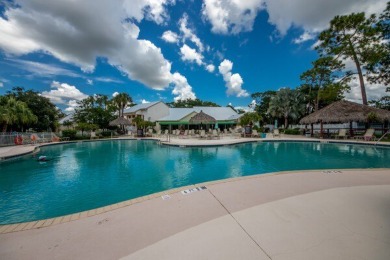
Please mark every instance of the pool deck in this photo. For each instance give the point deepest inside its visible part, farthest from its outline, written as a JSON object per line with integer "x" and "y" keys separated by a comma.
{"x": 322, "y": 214}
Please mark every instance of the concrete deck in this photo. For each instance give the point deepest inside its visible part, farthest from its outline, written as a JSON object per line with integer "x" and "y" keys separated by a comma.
{"x": 331, "y": 214}
{"x": 300, "y": 215}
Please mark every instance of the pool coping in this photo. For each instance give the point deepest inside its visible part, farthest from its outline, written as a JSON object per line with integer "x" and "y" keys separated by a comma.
{"x": 177, "y": 142}
{"x": 37, "y": 224}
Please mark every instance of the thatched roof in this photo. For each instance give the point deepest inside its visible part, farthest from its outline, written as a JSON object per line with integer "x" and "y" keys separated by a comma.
{"x": 120, "y": 121}
{"x": 202, "y": 118}
{"x": 345, "y": 111}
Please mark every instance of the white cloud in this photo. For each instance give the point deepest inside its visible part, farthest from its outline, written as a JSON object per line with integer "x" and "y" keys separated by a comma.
{"x": 80, "y": 33}
{"x": 191, "y": 55}
{"x": 1, "y": 84}
{"x": 170, "y": 36}
{"x": 63, "y": 93}
{"x": 108, "y": 80}
{"x": 314, "y": 16}
{"x": 233, "y": 81}
{"x": 89, "y": 81}
{"x": 144, "y": 101}
{"x": 41, "y": 69}
{"x": 306, "y": 36}
{"x": 231, "y": 16}
{"x": 210, "y": 68}
{"x": 115, "y": 94}
{"x": 189, "y": 34}
{"x": 182, "y": 90}
{"x": 373, "y": 91}
{"x": 72, "y": 105}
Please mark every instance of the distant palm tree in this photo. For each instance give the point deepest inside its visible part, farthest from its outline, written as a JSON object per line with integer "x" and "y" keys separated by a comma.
{"x": 287, "y": 103}
{"x": 121, "y": 101}
{"x": 14, "y": 112}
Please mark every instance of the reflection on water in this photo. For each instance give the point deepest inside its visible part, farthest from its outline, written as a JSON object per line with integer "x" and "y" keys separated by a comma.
{"x": 93, "y": 174}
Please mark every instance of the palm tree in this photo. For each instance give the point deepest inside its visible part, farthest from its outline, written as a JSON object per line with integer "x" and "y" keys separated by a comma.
{"x": 14, "y": 112}
{"x": 121, "y": 101}
{"x": 287, "y": 103}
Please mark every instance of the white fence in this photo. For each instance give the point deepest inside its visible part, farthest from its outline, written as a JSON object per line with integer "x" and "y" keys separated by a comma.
{"x": 8, "y": 139}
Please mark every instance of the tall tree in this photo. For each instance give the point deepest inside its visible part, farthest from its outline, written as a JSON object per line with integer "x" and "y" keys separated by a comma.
{"x": 379, "y": 59}
{"x": 94, "y": 110}
{"x": 121, "y": 101}
{"x": 262, "y": 100}
{"x": 46, "y": 112}
{"x": 321, "y": 84}
{"x": 15, "y": 113}
{"x": 287, "y": 103}
{"x": 351, "y": 37}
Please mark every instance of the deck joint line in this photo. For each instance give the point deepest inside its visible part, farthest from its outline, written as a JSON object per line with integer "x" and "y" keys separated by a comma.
{"x": 239, "y": 224}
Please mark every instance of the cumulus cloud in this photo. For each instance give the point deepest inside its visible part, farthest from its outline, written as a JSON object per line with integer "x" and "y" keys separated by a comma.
{"x": 115, "y": 94}
{"x": 314, "y": 16}
{"x": 144, "y": 101}
{"x": 188, "y": 33}
{"x": 182, "y": 90}
{"x": 79, "y": 33}
{"x": 1, "y": 84}
{"x": 373, "y": 91}
{"x": 72, "y": 105}
{"x": 170, "y": 36}
{"x": 210, "y": 68}
{"x": 233, "y": 81}
{"x": 306, "y": 36}
{"x": 191, "y": 55}
{"x": 231, "y": 16}
{"x": 65, "y": 94}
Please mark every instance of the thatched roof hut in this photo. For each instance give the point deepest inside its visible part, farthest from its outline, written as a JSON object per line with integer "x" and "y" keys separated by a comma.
{"x": 345, "y": 111}
{"x": 202, "y": 118}
{"x": 120, "y": 121}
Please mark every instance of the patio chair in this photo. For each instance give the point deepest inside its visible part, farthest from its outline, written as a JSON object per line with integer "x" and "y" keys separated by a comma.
{"x": 202, "y": 134}
{"x": 215, "y": 134}
{"x": 368, "y": 135}
{"x": 276, "y": 133}
{"x": 255, "y": 133}
{"x": 342, "y": 134}
{"x": 93, "y": 135}
{"x": 35, "y": 139}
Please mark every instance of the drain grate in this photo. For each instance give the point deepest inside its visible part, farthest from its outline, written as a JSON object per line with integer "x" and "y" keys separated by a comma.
{"x": 332, "y": 172}
{"x": 185, "y": 192}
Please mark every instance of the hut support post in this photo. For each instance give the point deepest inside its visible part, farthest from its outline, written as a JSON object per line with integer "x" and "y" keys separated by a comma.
{"x": 311, "y": 130}
{"x": 322, "y": 130}
{"x": 350, "y": 129}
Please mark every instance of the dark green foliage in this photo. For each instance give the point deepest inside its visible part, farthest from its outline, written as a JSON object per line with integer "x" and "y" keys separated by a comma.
{"x": 192, "y": 103}
{"x": 69, "y": 133}
{"x": 294, "y": 131}
{"x": 46, "y": 112}
{"x": 262, "y": 104}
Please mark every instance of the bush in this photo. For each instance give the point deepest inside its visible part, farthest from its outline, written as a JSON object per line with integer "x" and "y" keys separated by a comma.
{"x": 69, "y": 133}
{"x": 292, "y": 131}
{"x": 106, "y": 133}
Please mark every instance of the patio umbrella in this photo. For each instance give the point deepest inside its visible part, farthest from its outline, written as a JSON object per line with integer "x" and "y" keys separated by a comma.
{"x": 202, "y": 118}
{"x": 120, "y": 121}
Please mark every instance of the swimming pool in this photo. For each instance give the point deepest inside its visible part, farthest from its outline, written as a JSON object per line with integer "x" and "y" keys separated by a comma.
{"x": 89, "y": 175}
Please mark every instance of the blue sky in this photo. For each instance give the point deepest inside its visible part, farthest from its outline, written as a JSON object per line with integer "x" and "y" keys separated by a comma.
{"x": 214, "y": 50}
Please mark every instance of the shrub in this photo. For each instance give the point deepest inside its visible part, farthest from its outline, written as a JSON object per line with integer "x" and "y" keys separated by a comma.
{"x": 292, "y": 131}
{"x": 69, "y": 133}
{"x": 106, "y": 133}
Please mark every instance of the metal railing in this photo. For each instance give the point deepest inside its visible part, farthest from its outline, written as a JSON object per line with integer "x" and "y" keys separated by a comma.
{"x": 17, "y": 138}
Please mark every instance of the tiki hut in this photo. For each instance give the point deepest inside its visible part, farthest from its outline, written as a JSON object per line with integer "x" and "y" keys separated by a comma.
{"x": 120, "y": 121}
{"x": 345, "y": 111}
{"x": 202, "y": 118}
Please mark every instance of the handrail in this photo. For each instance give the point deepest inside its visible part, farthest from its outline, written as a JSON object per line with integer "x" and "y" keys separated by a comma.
{"x": 388, "y": 131}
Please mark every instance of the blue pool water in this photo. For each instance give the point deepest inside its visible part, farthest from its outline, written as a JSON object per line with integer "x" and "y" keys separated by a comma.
{"x": 88, "y": 175}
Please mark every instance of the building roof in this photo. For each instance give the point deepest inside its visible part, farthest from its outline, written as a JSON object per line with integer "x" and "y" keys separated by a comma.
{"x": 140, "y": 107}
{"x": 345, "y": 111}
{"x": 66, "y": 118}
{"x": 219, "y": 113}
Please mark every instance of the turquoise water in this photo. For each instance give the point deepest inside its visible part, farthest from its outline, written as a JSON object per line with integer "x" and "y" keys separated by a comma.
{"x": 88, "y": 175}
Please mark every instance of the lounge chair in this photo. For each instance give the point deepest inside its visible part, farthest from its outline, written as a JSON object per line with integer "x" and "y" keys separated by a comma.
{"x": 255, "y": 133}
{"x": 276, "y": 133}
{"x": 215, "y": 134}
{"x": 342, "y": 134}
{"x": 202, "y": 134}
{"x": 36, "y": 139}
{"x": 368, "y": 135}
